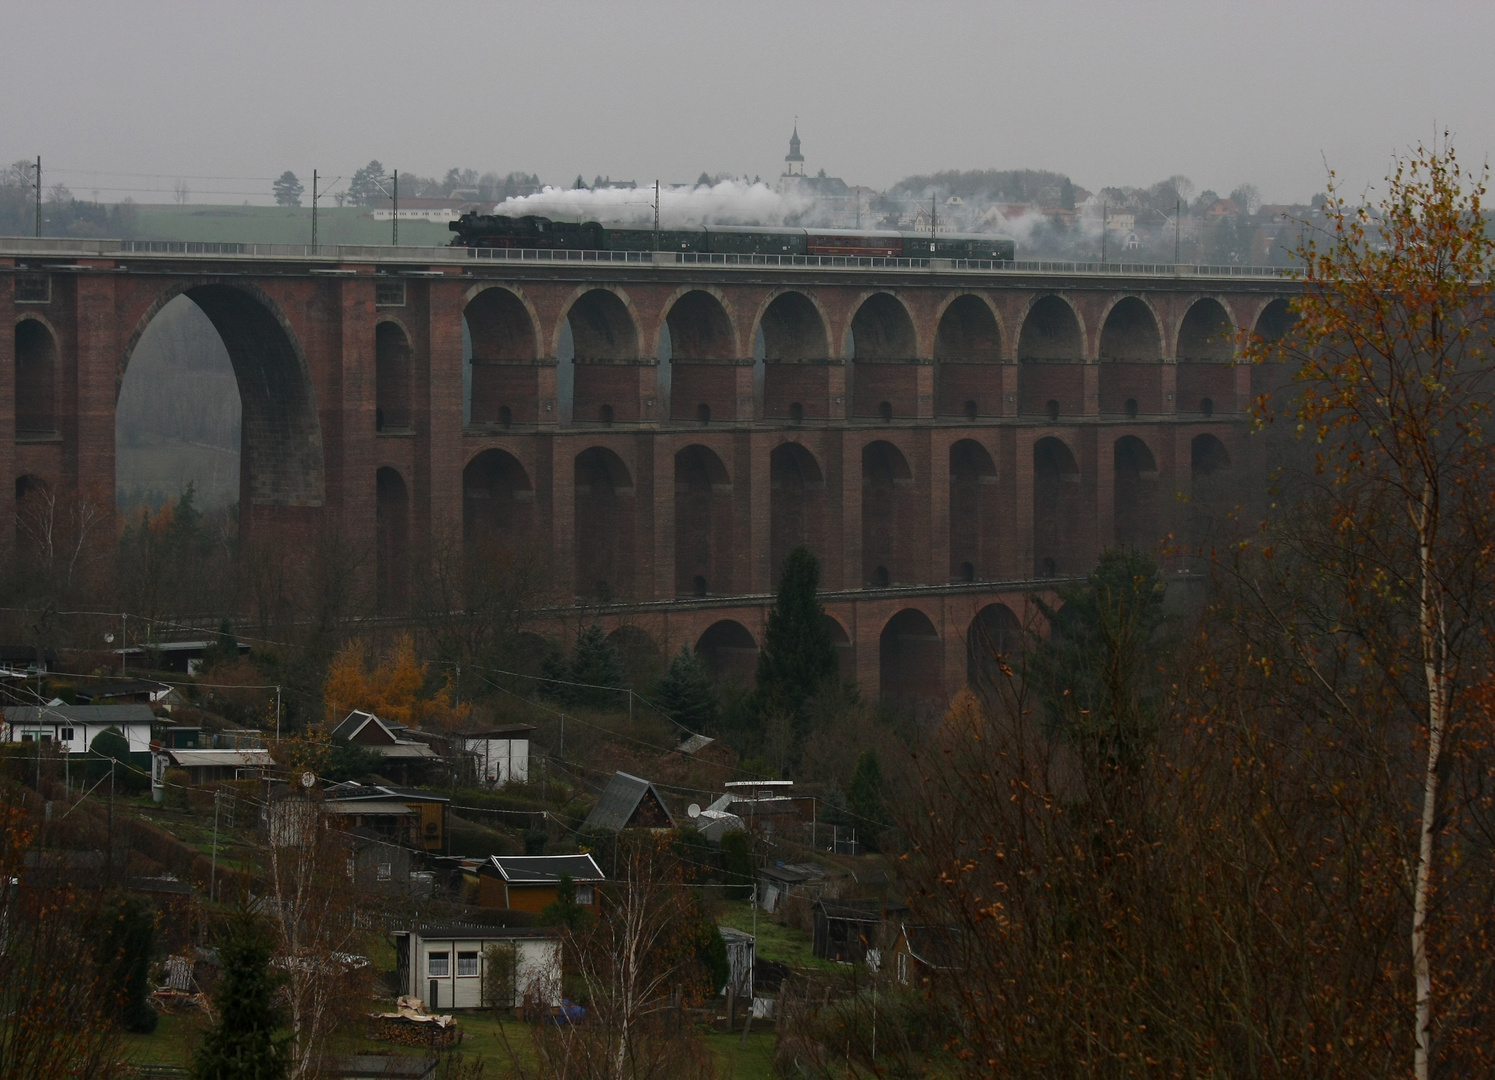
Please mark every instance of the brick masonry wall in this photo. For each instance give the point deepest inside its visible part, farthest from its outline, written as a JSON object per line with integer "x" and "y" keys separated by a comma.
{"x": 313, "y": 452}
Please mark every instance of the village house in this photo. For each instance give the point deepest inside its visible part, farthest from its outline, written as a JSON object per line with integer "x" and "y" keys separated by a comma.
{"x": 71, "y": 729}
{"x": 920, "y": 953}
{"x": 530, "y": 882}
{"x": 629, "y": 802}
{"x": 500, "y": 755}
{"x": 208, "y": 766}
{"x": 466, "y": 967}
{"x": 387, "y": 739}
{"x": 407, "y": 815}
{"x": 845, "y": 930}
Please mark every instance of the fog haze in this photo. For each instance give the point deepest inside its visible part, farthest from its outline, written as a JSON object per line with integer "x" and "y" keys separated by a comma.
{"x": 1110, "y": 94}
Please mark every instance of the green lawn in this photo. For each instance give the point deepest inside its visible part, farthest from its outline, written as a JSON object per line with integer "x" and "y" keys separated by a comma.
{"x": 172, "y": 1043}
{"x": 774, "y": 942}
{"x": 279, "y": 225}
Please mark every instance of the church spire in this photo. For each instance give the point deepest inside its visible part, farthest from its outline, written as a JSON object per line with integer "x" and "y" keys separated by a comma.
{"x": 794, "y": 161}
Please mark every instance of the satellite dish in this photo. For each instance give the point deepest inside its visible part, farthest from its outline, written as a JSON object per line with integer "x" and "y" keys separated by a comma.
{"x": 108, "y": 639}
{"x": 308, "y": 779}
{"x": 694, "y": 810}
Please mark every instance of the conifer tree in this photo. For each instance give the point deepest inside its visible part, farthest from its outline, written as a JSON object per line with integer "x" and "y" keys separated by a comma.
{"x": 243, "y": 1044}
{"x": 596, "y": 662}
{"x": 687, "y": 693}
{"x": 797, "y": 657}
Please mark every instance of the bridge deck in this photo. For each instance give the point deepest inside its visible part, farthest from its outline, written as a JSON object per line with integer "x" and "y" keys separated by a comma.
{"x": 331, "y": 256}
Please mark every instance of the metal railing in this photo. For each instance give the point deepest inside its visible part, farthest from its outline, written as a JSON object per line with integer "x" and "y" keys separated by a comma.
{"x": 333, "y": 254}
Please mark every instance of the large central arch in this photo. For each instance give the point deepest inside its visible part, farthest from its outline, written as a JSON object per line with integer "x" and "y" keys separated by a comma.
{"x": 281, "y": 463}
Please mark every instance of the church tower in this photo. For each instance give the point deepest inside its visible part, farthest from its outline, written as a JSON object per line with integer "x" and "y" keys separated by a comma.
{"x": 794, "y": 161}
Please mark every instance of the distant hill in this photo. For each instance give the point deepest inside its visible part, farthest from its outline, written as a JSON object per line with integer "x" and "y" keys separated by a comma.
{"x": 990, "y": 185}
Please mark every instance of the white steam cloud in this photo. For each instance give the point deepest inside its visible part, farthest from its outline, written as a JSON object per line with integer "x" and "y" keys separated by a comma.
{"x": 730, "y": 202}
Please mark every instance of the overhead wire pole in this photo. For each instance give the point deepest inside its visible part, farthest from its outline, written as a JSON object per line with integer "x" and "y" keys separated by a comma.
{"x": 314, "y": 211}
{"x": 38, "y": 225}
{"x": 395, "y": 217}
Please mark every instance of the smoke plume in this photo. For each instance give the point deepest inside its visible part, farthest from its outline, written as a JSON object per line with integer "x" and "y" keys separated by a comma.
{"x": 730, "y": 202}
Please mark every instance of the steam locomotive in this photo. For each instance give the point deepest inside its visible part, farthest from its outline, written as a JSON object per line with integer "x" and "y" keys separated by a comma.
{"x": 531, "y": 231}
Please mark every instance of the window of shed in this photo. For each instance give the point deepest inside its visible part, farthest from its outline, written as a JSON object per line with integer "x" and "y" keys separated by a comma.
{"x": 467, "y": 963}
{"x": 439, "y": 964}
{"x": 585, "y": 896}
{"x": 384, "y": 871}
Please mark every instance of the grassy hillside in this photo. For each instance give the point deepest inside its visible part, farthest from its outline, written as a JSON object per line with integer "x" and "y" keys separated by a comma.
{"x": 278, "y": 225}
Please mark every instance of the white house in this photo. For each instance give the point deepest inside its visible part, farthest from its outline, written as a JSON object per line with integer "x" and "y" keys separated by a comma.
{"x": 501, "y": 754}
{"x": 457, "y": 967}
{"x": 72, "y": 728}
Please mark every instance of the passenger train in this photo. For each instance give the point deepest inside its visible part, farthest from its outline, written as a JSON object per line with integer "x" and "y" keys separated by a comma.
{"x": 498, "y": 231}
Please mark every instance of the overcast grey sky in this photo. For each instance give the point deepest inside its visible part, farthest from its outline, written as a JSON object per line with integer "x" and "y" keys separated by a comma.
{"x": 1111, "y": 93}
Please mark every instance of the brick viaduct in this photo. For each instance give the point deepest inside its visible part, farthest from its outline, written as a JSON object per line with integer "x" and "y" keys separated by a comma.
{"x": 939, "y": 436}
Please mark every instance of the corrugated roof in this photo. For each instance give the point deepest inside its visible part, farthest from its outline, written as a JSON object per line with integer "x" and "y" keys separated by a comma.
{"x": 90, "y": 714}
{"x": 189, "y": 759}
{"x": 368, "y": 808}
{"x": 459, "y": 931}
{"x": 545, "y": 869}
{"x": 620, "y": 800}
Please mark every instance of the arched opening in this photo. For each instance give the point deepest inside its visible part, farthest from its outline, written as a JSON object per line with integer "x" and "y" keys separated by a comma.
{"x": 1275, "y": 320}
{"x": 605, "y": 350}
{"x": 176, "y": 359}
{"x": 796, "y": 505}
{"x": 700, "y": 328}
{"x": 392, "y": 378}
{"x": 793, "y": 330}
{"x": 796, "y": 345}
{"x": 703, "y": 524}
{"x": 968, "y": 350}
{"x": 604, "y": 519}
{"x": 1273, "y": 324}
{"x": 1211, "y": 489}
{"x": 888, "y": 516}
{"x": 1135, "y": 495}
{"x": 503, "y": 380}
{"x": 884, "y": 383}
{"x": 178, "y": 418}
{"x": 882, "y": 330}
{"x": 498, "y": 505}
{"x": 994, "y": 637}
{"x": 796, "y": 412}
{"x": 846, "y": 657}
{"x": 729, "y": 652}
{"x": 1207, "y": 407}
{"x": 1130, "y": 333}
{"x": 1206, "y": 334}
{"x": 700, "y": 341}
{"x": 968, "y": 331}
{"x": 1130, "y": 408}
{"x": 1058, "y": 525}
{"x": 974, "y": 511}
{"x": 1050, "y": 332}
{"x": 36, "y": 380}
{"x": 1051, "y": 348}
{"x": 911, "y": 661}
{"x": 392, "y": 549}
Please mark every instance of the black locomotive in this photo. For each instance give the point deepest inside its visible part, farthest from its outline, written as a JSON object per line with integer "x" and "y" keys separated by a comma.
{"x": 499, "y": 231}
